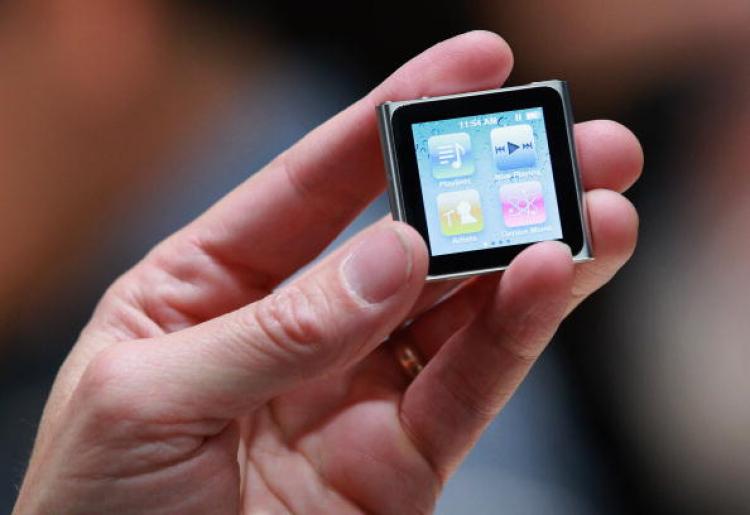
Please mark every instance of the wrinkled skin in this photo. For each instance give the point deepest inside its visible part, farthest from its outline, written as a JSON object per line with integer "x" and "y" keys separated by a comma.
{"x": 200, "y": 386}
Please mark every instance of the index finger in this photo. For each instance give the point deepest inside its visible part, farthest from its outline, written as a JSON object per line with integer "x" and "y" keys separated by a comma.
{"x": 290, "y": 211}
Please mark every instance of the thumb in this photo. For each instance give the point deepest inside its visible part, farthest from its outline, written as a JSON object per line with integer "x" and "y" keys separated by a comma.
{"x": 330, "y": 317}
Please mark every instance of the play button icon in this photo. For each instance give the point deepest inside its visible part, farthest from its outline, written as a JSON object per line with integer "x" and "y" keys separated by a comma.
{"x": 513, "y": 147}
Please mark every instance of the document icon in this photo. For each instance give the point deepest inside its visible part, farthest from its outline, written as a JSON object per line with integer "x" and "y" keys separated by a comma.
{"x": 513, "y": 147}
{"x": 450, "y": 155}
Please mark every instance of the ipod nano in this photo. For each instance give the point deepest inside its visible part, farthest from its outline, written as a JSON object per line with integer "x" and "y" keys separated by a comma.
{"x": 483, "y": 175}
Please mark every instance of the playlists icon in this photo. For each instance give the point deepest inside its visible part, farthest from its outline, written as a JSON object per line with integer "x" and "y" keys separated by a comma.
{"x": 513, "y": 147}
{"x": 450, "y": 155}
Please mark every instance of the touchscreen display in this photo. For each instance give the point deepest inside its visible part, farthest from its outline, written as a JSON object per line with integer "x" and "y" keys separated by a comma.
{"x": 486, "y": 181}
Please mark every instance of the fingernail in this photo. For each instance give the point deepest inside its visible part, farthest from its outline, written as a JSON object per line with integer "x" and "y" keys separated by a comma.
{"x": 378, "y": 266}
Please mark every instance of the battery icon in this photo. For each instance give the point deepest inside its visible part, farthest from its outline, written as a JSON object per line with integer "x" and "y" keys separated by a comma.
{"x": 534, "y": 115}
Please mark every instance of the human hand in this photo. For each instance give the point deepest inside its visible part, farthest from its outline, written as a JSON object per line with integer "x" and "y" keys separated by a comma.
{"x": 201, "y": 387}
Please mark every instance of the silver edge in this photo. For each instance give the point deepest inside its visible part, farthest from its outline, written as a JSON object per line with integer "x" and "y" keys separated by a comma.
{"x": 587, "y": 250}
{"x": 462, "y": 275}
{"x": 391, "y": 164}
{"x": 557, "y": 85}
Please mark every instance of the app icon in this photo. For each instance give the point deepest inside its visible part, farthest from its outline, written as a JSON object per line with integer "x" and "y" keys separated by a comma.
{"x": 460, "y": 212}
{"x": 450, "y": 155}
{"x": 513, "y": 147}
{"x": 523, "y": 204}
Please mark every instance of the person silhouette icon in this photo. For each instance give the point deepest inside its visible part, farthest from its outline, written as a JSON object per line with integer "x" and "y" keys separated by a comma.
{"x": 464, "y": 213}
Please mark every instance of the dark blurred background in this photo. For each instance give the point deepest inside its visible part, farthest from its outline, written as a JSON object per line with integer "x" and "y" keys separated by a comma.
{"x": 121, "y": 121}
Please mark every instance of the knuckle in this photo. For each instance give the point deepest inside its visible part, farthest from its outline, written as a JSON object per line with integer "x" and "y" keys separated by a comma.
{"x": 476, "y": 398}
{"x": 296, "y": 322}
{"x": 522, "y": 352}
{"x": 106, "y": 389}
{"x": 591, "y": 276}
{"x": 523, "y": 338}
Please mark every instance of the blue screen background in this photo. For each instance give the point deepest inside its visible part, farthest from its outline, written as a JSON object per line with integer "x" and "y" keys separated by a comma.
{"x": 486, "y": 178}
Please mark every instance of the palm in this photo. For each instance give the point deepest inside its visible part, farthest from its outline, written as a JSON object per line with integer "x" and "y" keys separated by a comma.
{"x": 344, "y": 434}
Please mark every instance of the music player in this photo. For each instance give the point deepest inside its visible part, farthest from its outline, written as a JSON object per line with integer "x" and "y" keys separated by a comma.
{"x": 483, "y": 175}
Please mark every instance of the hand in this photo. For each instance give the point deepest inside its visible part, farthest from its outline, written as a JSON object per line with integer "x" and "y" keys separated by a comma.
{"x": 201, "y": 387}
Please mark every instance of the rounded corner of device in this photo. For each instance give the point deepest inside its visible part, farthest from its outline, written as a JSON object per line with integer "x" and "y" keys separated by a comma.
{"x": 585, "y": 254}
{"x": 558, "y": 86}
{"x": 389, "y": 108}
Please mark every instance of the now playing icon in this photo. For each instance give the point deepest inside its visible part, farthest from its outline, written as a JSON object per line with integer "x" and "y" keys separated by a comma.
{"x": 513, "y": 147}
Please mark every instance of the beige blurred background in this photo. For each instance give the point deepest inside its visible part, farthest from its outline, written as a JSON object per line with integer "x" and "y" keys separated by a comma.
{"x": 120, "y": 121}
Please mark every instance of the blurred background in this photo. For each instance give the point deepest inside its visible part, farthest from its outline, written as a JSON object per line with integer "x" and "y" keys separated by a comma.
{"x": 121, "y": 121}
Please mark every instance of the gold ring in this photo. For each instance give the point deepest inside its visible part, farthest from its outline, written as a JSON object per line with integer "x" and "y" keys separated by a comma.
{"x": 409, "y": 359}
